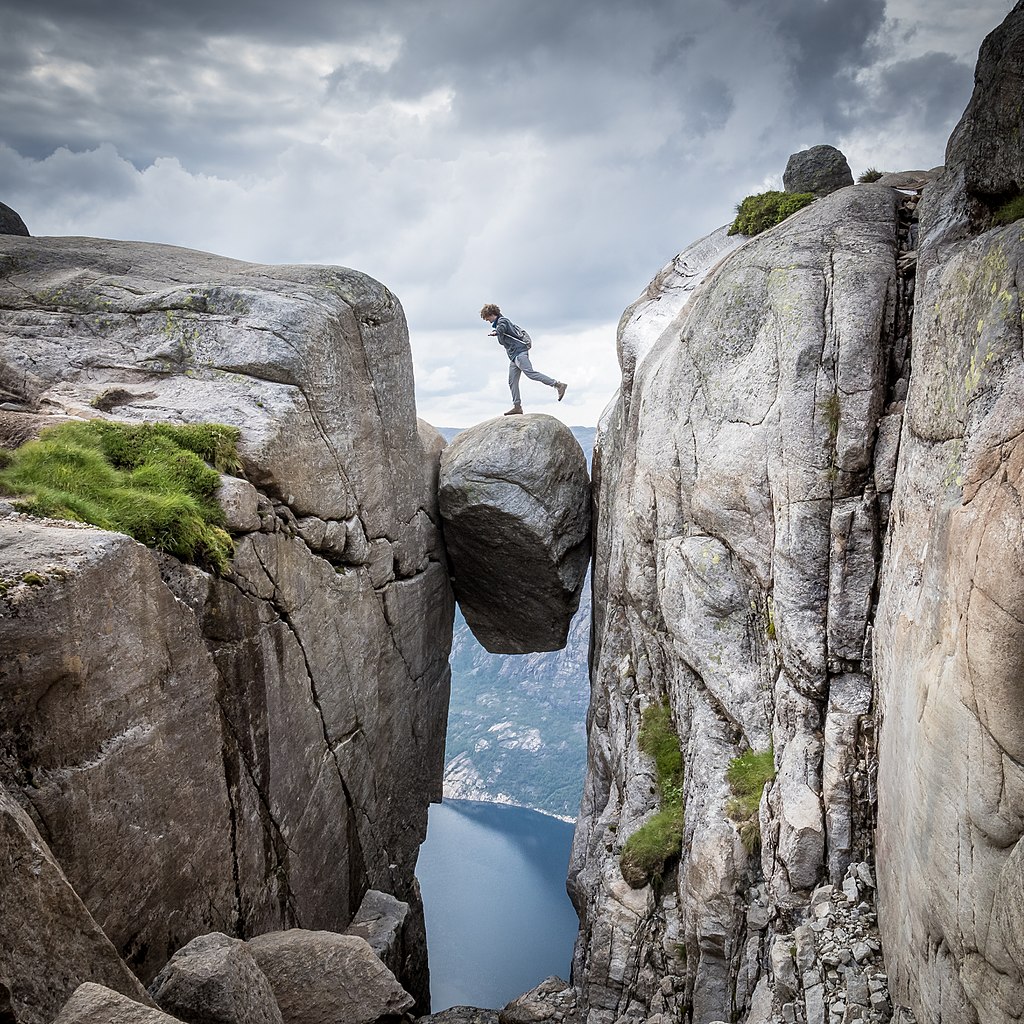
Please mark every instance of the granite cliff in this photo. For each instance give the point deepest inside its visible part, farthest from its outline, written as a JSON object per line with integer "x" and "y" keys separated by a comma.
{"x": 183, "y": 752}
{"x": 808, "y": 548}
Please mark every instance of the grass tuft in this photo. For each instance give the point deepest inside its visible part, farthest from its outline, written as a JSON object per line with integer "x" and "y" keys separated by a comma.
{"x": 870, "y": 175}
{"x": 148, "y": 480}
{"x": 760, "y": 212}
{"x": 659, "y": 840}
{"x": 1010, "y": 212}
{"x": 747, "y": 775}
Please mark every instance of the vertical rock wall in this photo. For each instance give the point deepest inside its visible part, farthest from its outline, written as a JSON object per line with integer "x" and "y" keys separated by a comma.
{"x": 809, "y": 537}
{"x": 247, "y": 752}
{"x": 950, "y": 644}
{"x": 740, "y": 504}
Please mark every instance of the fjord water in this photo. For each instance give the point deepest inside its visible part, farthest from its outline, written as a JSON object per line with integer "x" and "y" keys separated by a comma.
{"x": 498, "y": 918}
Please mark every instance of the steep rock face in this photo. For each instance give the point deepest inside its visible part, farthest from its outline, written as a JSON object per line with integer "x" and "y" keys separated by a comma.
{"x": 49, "y": 942}
{"x": 10, "y": 222}
{"x": 740, "y": 502}
{"x": 249, "y": 752}
{"x": 949, "y": 644}
{"x": 514, "y": 496}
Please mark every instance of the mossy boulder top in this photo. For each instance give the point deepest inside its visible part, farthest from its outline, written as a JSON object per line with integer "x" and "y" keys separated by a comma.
{"x": 312, "y": 363}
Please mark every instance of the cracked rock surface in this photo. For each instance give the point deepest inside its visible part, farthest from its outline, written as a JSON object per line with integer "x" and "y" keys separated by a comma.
{"x": 736, "y": 553}
{"x": 514, "y": 496}
{"x": 243, "y": 753}
{"x": 950, "y": 642}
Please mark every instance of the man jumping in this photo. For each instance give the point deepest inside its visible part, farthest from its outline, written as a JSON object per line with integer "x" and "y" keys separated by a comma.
{"x": 518, "y": 356}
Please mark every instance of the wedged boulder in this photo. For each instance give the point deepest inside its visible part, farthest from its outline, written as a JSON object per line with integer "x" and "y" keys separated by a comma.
{"x": 10, "y": 222}
{"x": 215, "y": 980}
{"x": 49, "y": 943}
{"x": 820, "y": 169}
{"x": 326, "y": 978}
{"x": 97, "y": 1004}
{"x": 515, "y": 501}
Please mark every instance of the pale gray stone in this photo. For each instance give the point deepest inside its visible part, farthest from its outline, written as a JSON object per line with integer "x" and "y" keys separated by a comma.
{"x": 214, "y": 979}
{"x": 948, "y": 640}
{"x": 240, "y": 501}
{"x": 716, "y": 485}
{"x": 515, "y": 500}
{"x": 325, "y": 978}
{"x": 381, "y": 921}
{"x": 251, "y": 750}
{"x": 96, "y": 1004}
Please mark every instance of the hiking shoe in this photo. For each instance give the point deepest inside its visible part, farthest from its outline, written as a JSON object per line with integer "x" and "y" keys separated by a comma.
{"x": 516, "y": 410}
{"x": 560, "y": 388}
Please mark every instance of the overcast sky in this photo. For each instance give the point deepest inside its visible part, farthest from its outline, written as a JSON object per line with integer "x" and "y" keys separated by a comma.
{"x": 546, "y": 155}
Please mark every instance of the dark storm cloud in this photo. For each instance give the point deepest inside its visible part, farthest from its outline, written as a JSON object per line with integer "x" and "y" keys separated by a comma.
{"x": 935, "y": 87}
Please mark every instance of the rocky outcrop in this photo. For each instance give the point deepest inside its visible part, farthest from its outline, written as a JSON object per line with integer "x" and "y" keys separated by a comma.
{"x": 800, "y": 555}
{"x": 515, "y": 501}
{"x": 323, "y": 978}
{"x": 10, "y": 222}
{"x": 49, "y": 942}
{"x": 736, "y": 539}
{"x": 253, "y": 751}
{"x": 96, "y": 1004}
{"x": 949, "y": 642}
{"x": 663, "y": 300}
{"x": 820, "y": 169}
{"x": 215, "y": 980}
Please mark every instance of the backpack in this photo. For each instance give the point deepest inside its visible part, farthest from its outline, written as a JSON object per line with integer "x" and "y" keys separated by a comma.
{"x": 521, "y": 334}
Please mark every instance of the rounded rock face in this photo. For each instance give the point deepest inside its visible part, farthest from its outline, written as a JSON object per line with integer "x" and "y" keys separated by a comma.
{"x": 820, "y": 169}
{"x": 10, "y": 222}
{"x": 515, "y": 503}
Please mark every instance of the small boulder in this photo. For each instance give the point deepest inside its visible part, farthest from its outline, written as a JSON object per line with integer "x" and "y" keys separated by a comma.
{"x": 461, "y": 1015}
{"x": 10, "y": 222}
{"x": 515, "y": 503}
{"x": 240, "y": 502}
{"x": 327, "y": 978}
{"x": 551, "y": 1000}
{"x": 95, "y": 1004}
{"x": 820, "y": 169}
{"x": 381, "y": 921}
{"x": 215, "y": 980}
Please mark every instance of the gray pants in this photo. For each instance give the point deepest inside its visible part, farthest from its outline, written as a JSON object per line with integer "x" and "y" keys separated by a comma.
{"x": 520, "y": 365}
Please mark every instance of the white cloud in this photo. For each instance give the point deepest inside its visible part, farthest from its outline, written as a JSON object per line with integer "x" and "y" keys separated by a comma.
{"x": 553, "y": 172}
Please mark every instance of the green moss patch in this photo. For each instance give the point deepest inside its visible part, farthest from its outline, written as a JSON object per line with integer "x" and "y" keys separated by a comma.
{"x": 152, "y": 481}
{"x": 747, "y": 775}
{"x": 1010, "y": 212}
{"x": 760, "y": 212}
{"x": 658, "y": 841}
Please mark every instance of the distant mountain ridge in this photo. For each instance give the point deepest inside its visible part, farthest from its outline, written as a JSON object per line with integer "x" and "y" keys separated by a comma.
{"x": 517, "y": 723}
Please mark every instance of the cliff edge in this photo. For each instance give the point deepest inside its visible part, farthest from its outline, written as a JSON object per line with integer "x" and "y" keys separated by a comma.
{"x": 236, "y": 752}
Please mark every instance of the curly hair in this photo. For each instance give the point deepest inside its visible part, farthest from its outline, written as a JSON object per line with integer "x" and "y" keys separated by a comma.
{"x": 490, "y": 311}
